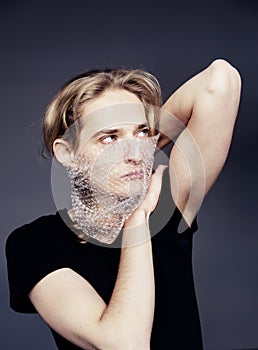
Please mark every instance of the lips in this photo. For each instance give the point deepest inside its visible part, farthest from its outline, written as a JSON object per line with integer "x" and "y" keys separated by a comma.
{"x": 138, "y": 174}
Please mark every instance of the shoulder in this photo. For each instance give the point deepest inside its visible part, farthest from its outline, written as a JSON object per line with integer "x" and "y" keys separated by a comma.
{"x": 39, "y": 230}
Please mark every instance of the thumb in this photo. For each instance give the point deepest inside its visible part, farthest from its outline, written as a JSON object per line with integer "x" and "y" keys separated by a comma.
{"x": 155, "y": 187}
{"x": 160, "y": 170}
{"x": 158, "y": 174}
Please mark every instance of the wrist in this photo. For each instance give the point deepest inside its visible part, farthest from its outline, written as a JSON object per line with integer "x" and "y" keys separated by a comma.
{"x": 137, "y": 218}
{"x": 136, "y": 229}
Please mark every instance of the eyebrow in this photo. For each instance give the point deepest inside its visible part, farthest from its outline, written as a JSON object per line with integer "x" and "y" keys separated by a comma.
{"x": 114, "y": 131}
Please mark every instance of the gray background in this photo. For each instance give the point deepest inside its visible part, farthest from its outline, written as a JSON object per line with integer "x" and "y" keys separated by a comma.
{"x": 43, "y": 44}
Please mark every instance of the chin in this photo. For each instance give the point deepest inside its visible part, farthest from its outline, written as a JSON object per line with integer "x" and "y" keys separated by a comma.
{"x": 131, "y": 192}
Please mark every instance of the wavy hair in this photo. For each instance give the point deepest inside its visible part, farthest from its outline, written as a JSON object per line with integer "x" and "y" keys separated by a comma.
{"x": 66, "y": 106}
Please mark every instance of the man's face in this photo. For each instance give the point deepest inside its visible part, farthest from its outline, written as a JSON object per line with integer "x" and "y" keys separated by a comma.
{"x": 114, "y": 140}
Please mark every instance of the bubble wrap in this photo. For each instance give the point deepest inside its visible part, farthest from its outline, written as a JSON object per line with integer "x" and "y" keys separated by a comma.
{"x": 107, "y": 188}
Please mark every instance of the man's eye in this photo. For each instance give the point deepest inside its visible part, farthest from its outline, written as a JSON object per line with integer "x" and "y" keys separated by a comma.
{"x": 108, "y": 139}
{"x": 144, "y": 132}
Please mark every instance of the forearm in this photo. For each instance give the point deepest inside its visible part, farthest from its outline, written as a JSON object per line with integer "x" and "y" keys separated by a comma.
{"x": 73, "y": 308}
{"x": 130, "y": 310}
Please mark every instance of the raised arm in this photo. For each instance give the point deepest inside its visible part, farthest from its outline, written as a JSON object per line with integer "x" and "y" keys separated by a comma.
{"x": 207, "y": 105}
{"x": 72, "y": 307}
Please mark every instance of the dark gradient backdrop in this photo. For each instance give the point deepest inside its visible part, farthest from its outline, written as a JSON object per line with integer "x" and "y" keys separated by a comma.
{"x": 44, "y": 43}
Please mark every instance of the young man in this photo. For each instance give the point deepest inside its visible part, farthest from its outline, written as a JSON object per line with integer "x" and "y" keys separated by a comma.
{"x": 142, "y": 295}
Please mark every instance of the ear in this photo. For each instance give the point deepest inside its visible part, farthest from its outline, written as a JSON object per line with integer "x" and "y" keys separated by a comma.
{"x": 63, "y": 153}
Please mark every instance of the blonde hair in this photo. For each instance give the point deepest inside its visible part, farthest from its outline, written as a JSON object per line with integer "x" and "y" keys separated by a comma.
{"x": 65, "y": 107}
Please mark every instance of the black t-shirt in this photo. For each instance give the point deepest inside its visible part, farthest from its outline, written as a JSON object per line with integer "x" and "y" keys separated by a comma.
{"x": 47, "y": 244}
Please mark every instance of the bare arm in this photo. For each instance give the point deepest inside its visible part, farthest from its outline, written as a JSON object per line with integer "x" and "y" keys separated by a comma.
{"x": 70, "y": 305}
{"x": 207, "y": 104}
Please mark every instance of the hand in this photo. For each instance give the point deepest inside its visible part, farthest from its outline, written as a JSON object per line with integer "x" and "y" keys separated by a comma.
{"x": 142, "y": 213}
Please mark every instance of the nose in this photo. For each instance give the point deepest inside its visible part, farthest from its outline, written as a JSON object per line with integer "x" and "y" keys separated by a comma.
{"x": 133, "y": 162}
{"x": 132, "y": 153}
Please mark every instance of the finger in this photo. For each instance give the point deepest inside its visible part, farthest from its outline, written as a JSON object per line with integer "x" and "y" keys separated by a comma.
{"x": 153, "y": 193}
{"x": 156, "y": 180}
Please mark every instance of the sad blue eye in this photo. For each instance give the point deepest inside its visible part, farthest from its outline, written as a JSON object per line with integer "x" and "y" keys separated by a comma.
{"x": 144, "y": 132}
{"x": 109, "y": 139}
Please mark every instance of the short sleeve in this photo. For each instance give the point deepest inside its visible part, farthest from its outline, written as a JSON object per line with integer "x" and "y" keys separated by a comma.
{"x": 30, "y": 257}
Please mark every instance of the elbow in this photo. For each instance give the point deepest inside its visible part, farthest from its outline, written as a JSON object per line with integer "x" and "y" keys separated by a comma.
{"x": 133, "y": 344}
{"x": 117, "y": 344}
{"x": 122, "y": 339}
{"x": 132, "y": 341}
{"x": 223, "y": 78}
{"x": 128, "y": 344}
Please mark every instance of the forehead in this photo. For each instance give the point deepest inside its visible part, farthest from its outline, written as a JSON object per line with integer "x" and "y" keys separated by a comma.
{"x": 111, "y": 98}
{"x": 110, "y": 117}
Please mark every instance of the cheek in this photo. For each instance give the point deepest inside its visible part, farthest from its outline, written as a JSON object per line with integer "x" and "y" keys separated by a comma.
{"x": 121, "y": 186}
{"x": 91, "y": 151}
{"x": 117, "y": 170}
{"x": 113, "y": 175}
